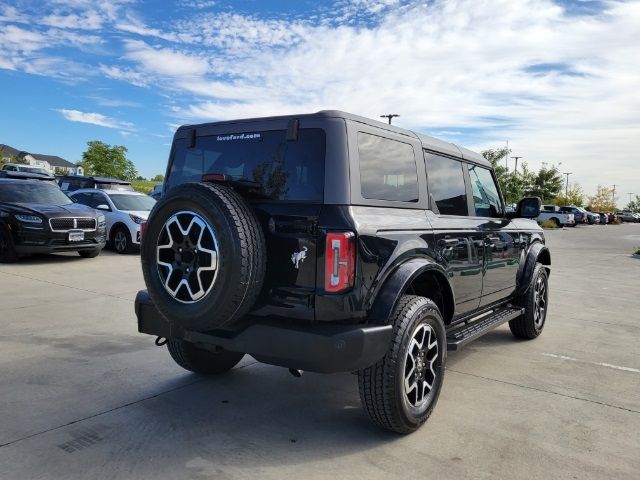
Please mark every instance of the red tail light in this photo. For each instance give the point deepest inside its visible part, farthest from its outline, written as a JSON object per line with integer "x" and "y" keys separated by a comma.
{"x": 340, "y": 261}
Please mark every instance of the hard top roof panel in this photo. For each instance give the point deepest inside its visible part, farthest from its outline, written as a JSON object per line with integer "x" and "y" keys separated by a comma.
{"x": 430, "y": 143}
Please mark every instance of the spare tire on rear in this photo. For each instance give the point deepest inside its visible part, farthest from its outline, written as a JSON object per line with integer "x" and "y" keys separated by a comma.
{"x": 203, "y": 256}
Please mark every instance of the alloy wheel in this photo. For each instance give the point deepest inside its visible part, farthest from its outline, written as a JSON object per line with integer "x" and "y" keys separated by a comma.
{"x": 540, "y": 302}
{"x": 187, "y": 257}
{"x": 419, "y": 365}
{"x": 120, "y": 241}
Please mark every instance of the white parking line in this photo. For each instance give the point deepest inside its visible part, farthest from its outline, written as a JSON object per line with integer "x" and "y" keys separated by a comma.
{"x": 600, "y": 364}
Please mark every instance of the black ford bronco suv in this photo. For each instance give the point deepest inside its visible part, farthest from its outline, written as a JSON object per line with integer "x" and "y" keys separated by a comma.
{"x": 333, "y": 243}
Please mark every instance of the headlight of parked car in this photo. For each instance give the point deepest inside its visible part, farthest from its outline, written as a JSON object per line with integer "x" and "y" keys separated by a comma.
{"x": 136, "y": 219}
{"x": 28, "y": 218}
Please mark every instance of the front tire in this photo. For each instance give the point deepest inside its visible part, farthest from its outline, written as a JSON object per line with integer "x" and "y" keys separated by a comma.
{"x": 535, "y": 302}
{"x": 198, "y": 360}
{"x": 121, "y": 240}
{"x": 400, "y": 391}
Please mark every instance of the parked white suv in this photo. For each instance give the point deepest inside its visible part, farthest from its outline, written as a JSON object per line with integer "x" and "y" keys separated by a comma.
{"x": 124, "y": 212}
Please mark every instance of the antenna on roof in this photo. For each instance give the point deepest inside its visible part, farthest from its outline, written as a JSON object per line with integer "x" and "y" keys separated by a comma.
{"x": 389, "y": 116}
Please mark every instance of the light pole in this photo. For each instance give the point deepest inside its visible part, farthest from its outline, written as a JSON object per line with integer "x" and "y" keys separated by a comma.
{"x": 630, "y": 195}
{"x": 389, "y": 116}
{"x": 566, "y": 188}
{"x": 516, "y": 159}
{"x": 613, "y": 196}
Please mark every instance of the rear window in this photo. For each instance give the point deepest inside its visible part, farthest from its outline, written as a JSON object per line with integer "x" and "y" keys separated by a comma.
{"x": 446, "y": 185}
{"x": 279, "y": 170}
{"x": 387, "y": 169}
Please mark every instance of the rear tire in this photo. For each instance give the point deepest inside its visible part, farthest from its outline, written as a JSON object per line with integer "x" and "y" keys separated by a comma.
{"x": 400, "y": 391}
{"x": 535, "y": 302}
{"x": 8, "y": 252}
{"x": 198, "y": 360}
{"x": 89, "y": 253}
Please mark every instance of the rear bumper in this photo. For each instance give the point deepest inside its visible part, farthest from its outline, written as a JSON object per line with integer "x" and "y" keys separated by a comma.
{"x": 323, "y": 348}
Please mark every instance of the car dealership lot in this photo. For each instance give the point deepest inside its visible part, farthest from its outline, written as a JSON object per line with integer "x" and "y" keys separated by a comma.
{"x": 82, "y": 395}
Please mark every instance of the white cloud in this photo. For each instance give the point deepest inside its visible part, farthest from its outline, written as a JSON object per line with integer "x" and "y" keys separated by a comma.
{"x": 561, "y": 88}
{"x": 96, "y": 119}
{"x": 164, "y": 61}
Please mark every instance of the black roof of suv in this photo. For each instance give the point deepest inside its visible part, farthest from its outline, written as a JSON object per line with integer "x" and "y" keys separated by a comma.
{"x": 330, "y": 242}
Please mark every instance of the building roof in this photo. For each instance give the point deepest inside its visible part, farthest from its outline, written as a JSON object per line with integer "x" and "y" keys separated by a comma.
{"x": 53, "y": 160}
{"x": 8, "y": 151}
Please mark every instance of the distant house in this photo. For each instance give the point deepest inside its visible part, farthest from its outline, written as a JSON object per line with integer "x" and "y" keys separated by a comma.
{"x": 52, "y": 163}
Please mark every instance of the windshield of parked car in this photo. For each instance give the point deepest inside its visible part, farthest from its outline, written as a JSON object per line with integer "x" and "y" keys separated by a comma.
{"x": 138, "y": 203}
{"x": 27, "y": 192}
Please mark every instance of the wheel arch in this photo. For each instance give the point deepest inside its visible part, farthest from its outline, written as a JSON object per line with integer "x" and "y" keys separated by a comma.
{"x": 418, "y": 276}
{"x": 118, "y": 224}
{"x": 538, "y": 253}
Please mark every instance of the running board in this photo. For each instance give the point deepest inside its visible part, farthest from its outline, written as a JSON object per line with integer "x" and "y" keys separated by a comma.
{"x": 460, "y": 336}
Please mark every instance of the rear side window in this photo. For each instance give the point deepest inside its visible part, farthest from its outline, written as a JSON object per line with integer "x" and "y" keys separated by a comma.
{"x": 387, "y": 169}
{"x": 446, "y": 185}
{"x": 279, "y": 170}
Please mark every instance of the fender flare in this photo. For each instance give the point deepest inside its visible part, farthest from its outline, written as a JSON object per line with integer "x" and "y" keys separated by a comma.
{"x": 397, "y": 283}
{"x": 537, "y": 253}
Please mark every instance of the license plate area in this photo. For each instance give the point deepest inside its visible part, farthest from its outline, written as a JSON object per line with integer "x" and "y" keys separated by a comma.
{"x": 76, "y": 236}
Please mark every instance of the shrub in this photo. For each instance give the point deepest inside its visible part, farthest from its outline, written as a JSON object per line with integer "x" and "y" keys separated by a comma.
{"x": 637, "y": 251}
{"x": 549, "y": 224}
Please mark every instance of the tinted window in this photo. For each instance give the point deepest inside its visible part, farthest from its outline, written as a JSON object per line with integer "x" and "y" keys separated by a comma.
{"x": 486, "y": 198}
{"x": 446, "y": 185}
{"x": 387, "y": 169}
{"x": 265, "y": 162}
{"x": 41, "y": 192}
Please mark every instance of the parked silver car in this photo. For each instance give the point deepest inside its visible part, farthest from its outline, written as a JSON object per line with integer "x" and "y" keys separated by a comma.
{"x": 124, "y": 212}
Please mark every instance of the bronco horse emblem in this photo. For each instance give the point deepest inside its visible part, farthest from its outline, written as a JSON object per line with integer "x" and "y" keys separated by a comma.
{"x": 298, "y": 257}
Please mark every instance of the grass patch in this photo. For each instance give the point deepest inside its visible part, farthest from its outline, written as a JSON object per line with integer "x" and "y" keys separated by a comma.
{"x": 144, "y": 186}
{"x": 548, "y": 224}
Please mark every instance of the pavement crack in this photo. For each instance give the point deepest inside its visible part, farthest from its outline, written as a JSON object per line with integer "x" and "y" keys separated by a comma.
{"x": 544, "y": 391}
{"x": 110, "y": 410}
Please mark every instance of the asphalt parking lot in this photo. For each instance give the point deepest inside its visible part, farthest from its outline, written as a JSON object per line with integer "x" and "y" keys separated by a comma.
{"x": 84, "y": 396}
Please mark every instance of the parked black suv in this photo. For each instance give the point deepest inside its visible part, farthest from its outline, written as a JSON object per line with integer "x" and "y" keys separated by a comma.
{"x": 71, "y": 183}
{"x": 331, "y": 243}
{"x": 37, "y": 217}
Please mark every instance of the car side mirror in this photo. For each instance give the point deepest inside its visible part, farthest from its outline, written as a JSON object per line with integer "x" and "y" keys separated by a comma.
{"x": 103, "y": 206}
{"x": 528, "y": 207}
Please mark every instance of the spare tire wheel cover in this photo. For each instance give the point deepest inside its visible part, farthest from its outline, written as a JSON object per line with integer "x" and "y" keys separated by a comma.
{"x": 187, "y": 256}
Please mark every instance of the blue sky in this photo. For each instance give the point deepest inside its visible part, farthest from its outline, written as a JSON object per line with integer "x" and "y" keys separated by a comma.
{"x": 558, "y": 79}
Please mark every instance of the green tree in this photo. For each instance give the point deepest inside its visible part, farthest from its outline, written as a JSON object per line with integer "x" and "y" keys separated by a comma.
{"x": 158, "y": 178}
{"x": 575, "y": 196}
{"x": 546, "y": 184}
{"x": 497, "y": 158}
{"x": 634, "y": 205}
{"x": 108, "y": 161}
